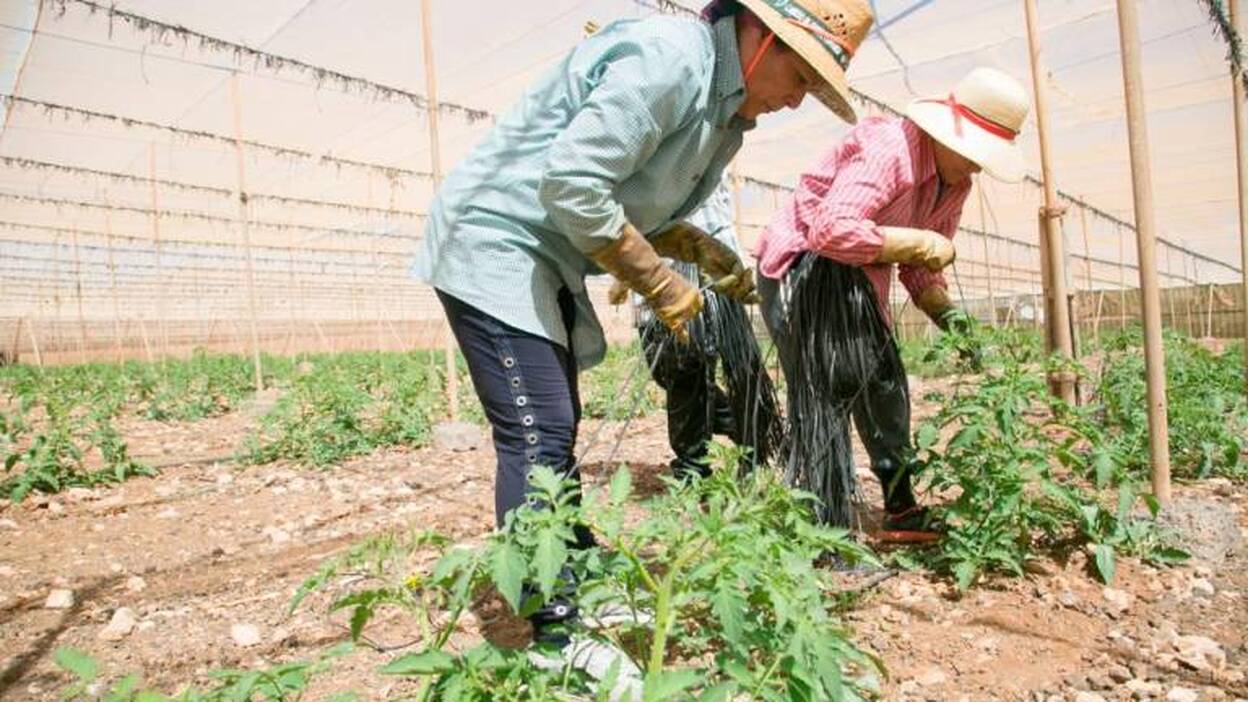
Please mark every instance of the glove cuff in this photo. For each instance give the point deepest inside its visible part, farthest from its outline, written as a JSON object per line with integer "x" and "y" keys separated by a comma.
{"x": 935, "y": 302}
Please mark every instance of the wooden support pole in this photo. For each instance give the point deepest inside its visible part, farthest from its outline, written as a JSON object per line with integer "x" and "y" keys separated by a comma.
{"x": 1209, "y": 314}
{"x": 1050, "y": 216}
{"x": 1142, "y": 189}
{"x": 161, "y": 308}
{"x": 147, "y": 343}
{"x": 1087, "y": 248}
{"x": 112, "y": 280}
{"x": 1188, "y": 291}
{"x": 34, "y": 343}
{"x": 82, "y": 322}
{"x": 1168, "y": 291}
{"x": 1241, "y": 170}
{"x": 983, "y": 227}
{"x": 244, "y": 231}
{"x": 1122, "y": 278}
{"x": 1087, "y": 267}
{"x": 1096, "y": 318}
{"x": 291, "y": 297}
{"x": 15, "y": 348}
{"x": 435, "y": 162}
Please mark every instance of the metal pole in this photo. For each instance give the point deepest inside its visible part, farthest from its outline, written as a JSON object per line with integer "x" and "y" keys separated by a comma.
{"x": 236, "y": 99}
{"x": 435, "y": 159}
{"x": 1241, "y": 169}
{"x": 1050, "y": 217}
{"x": 1142, "y": 188}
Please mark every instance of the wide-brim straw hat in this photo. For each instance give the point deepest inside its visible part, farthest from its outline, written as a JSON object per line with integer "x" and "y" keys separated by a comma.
{"x": 981, "y": 120}
{"x": 826, "y": 34}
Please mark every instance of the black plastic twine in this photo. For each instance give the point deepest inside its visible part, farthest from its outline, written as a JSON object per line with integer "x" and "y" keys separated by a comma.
{"x": 722, "y": 337}
{"x": 841, "y": 342}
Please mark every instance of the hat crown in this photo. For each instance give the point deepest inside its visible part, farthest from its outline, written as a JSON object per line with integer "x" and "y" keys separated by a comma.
{"x": 995, "y": 96}
{"x": 848, "y": 20}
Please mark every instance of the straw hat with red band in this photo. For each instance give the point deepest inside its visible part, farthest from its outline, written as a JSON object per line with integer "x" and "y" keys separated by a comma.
{"x": 980, "y": 120}
{"x": 825, "y": 33}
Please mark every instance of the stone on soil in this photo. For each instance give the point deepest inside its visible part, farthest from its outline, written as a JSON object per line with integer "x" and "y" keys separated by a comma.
{"x": 456, "y": 436}
{"x": 60, "y": 599}
{"x": 120, "y": 626}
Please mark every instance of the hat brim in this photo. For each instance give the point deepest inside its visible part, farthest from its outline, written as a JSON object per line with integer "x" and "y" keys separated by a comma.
{"x": 1001, "y": 159}
{"x": 834, "y": 91}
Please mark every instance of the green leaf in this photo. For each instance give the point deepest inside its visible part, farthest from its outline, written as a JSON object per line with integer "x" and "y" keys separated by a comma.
{"x": 77, "y": 662}
{"x": 123, "y": 690}
{"x": 668, "y": 684}
{"x": 966, "y": 436}
{"x": 1169, "y": 554}
{"x": 718, "y": 693}
{"x": 507, "y": 568}
{"x": 424, "y": 663}
{"x": 621, "y": 486}
{"x": 359, "y": 619}
{"x": 926, "y": 436}
{"x": 449, "y": 565}
{"x": 964, "y": 573}
{"x": 1103, "y": 467}
{"x": 729, "y": 607}
{"x": 1105, "y": 562}
{"x": 548, "y": 559}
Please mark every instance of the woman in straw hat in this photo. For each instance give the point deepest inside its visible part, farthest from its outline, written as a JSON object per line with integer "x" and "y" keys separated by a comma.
{"x": 889, "y": 194}
{"x": 592, "y": 171}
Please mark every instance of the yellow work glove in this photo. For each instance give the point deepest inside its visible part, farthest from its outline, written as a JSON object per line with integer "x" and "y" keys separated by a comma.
{"x": 633, "y": 261}
{"x": 935, "y": 302}
{"x": 618, "y": 294}
{"x": 685, "y": 242}
{"x": 916, "y": 247}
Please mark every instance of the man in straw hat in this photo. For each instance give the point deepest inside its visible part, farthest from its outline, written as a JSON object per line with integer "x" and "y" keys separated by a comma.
{"x": 889, "y": 194}
{"x": 591, "y": 172}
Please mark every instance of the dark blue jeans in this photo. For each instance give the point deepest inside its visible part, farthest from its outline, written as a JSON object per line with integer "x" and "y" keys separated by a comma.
{"x": 528, "y": 387}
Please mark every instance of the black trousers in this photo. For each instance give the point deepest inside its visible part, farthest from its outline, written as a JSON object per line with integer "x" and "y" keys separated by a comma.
{"x": 881, "y": 411}
{"x": 697, "y": 407}
{"x": 528, "y": 387}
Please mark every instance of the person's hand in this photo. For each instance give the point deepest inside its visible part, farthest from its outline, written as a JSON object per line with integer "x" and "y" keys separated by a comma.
{"x": 955, "y": 322}
{"x": 634, "y": 262}
{"x": 728, "y": 275}
{"x": 958, "y": 323}
{"x": 618, "y": 294}
{"x": 916, "y": 247}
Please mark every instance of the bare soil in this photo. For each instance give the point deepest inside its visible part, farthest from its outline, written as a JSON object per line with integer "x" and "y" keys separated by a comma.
{"x": 208, "y": 545}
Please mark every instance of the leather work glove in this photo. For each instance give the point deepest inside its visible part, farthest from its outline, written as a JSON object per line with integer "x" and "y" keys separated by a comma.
{"x": 935, "y": 302}
{"x": 634, "y": 262}
{"x": 685, "y": 242}
{"x": 618, "y": 294}
{"x": 917, "y": 247}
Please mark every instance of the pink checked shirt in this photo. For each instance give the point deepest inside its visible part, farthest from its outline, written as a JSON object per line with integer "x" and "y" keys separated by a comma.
{"x": 882, "y": 174}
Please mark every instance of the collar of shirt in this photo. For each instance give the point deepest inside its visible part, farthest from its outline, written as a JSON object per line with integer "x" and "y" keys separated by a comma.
{"x": 947, "y": 197}
{"x": 728, "y": 83}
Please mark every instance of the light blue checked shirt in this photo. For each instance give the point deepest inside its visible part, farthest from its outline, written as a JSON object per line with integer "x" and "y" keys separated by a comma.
{"x": 637, "y": 124}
